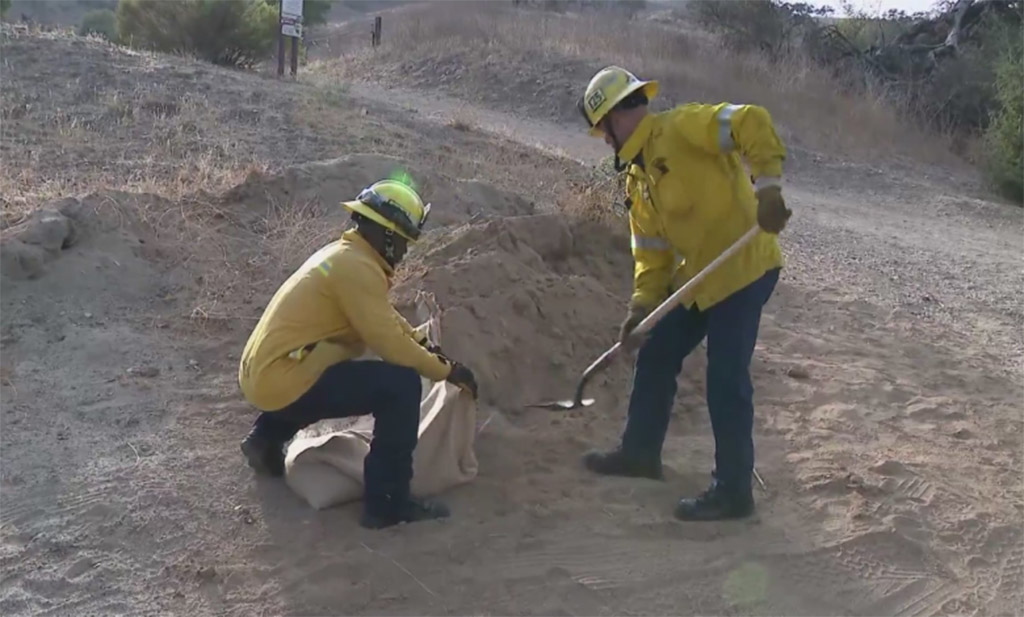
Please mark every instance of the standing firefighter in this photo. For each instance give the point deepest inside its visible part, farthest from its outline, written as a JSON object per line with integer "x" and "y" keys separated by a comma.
{"x": 300, "y": 364}
{"x": 690, "y": 199}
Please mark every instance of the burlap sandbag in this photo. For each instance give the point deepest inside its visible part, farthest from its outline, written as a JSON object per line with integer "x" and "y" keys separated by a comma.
{"x": 327, "y": 469}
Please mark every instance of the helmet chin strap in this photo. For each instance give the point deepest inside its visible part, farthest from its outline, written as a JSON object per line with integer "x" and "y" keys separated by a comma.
{"x": 616, "y": 144}
{"x": 389, "y": 246}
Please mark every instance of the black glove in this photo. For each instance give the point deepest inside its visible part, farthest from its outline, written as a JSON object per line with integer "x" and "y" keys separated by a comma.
{"x": 632, "y": 320}
{"x": 462, "y": 377}
{"x": 772, "y": 212}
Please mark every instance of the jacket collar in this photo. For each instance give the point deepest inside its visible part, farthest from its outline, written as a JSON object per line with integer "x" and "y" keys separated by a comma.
{"x": 360, "y": 244}
{"x": 635, "y": 144}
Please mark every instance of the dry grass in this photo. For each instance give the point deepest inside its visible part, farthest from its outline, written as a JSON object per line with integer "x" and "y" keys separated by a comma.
{"x": 93, "y": 122}
{"x": 26, "y": 187}
{"x": 535, "y": 62}
{"x": 596, "y": 199}
{"x": 237, "y": 259}
{"x": 186, "y": 131}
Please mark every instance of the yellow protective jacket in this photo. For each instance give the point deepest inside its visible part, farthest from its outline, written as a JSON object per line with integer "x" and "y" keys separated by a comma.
{"x": 690, "y": 199}
{"x": 337, "y": 300}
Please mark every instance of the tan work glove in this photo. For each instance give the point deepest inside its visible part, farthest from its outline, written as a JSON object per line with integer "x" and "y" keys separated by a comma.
{"x": 633, "y": 318}
{"x": 772, "y": 212}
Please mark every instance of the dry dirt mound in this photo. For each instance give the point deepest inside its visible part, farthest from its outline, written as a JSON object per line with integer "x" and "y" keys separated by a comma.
{"x": 527, "y": 301}
{"x": 325, "y": 184}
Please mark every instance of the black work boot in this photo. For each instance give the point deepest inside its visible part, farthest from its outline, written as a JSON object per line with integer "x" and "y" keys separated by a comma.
{"x": 715, "y": 504}
{"x": 381, "y": 513}
{"x": 617, "y": 463}
{"x": 263, "y": 455}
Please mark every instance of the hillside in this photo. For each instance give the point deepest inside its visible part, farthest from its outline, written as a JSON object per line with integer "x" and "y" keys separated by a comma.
{"x": 151, "y": 206}
{"x": 530, "y": 62}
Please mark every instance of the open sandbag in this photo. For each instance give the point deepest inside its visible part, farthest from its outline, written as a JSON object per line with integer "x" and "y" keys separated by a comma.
{"x": 327, "y": 470}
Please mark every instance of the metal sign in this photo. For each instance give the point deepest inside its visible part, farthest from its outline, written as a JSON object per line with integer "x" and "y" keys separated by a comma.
{"x": 291, "y": 18}
{"x": 291, "y": 8}
{"x": 291, "y": 28}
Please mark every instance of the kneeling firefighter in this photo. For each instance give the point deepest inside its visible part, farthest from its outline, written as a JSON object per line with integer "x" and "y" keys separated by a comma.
{"x": 689, "y": 199}
{"x": 300, "y": 363}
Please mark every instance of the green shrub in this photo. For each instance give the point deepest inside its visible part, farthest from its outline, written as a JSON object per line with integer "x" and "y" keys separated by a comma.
{"x": 237, "y": 33}
{"x": 1005, "y": 135}
{"x": 4, "y": 6}
{"x": 101, "y": 22}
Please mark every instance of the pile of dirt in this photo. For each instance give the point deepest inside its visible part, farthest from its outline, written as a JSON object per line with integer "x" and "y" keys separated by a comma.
{"x": 528, "y": 301}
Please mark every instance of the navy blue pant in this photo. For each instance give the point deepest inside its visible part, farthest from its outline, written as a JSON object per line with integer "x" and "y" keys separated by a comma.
{"x": 731, "y": 327}
{"x": 354, "y": 388}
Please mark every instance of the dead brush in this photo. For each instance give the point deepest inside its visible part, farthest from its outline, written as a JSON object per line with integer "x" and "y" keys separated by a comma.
{"x": 238, "y": 258}
{"x": 599, "y": 201}
{"x": 461, "y": 121}
{"x": 293, "y": 231}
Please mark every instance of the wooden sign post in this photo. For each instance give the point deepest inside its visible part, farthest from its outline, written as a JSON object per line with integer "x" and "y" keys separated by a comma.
{"x": 290, "y": 18}
{"x": 375, "y": 33}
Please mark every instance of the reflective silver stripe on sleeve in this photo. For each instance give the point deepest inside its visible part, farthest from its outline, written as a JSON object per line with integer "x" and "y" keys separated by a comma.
{"x": 765, "y": 181}
{"x": 725, "y": 141}
{"x": 648, "y": 243}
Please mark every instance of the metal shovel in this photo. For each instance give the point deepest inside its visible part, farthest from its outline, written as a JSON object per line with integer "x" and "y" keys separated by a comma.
{"x": 606, "y": 358}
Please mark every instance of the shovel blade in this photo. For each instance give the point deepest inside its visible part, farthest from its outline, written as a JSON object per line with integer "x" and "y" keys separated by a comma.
{"x": 565, "y": 405}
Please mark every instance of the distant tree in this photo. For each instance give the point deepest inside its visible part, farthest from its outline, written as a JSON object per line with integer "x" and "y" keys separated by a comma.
{"x": 5, "y": 5}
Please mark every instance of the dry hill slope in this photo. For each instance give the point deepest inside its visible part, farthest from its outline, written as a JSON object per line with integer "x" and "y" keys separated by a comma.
{"x": 889, "y": 432}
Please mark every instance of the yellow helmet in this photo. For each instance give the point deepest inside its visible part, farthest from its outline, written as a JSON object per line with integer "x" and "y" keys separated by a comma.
{"x": 394, "y": 206}
{"x": 606, "y": 90}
